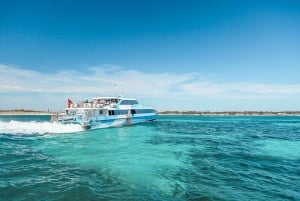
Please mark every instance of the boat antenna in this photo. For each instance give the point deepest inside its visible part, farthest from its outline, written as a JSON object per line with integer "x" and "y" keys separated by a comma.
{"x": 117, "y": 90}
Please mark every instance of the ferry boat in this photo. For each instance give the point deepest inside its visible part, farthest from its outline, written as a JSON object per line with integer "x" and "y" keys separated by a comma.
{"x": 103, "y": 112}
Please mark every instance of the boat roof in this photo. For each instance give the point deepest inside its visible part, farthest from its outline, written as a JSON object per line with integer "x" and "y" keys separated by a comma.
{"x": 112, "y": 97}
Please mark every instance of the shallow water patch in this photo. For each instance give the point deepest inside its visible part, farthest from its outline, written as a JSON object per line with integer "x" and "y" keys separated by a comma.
{"x": 279, "y": 148}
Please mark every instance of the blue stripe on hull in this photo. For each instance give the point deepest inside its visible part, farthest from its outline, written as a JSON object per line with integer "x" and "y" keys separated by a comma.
{"x": 120, "y": 122}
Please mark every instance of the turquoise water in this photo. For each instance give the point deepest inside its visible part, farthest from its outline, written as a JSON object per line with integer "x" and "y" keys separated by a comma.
{"x": 173, "y": 158}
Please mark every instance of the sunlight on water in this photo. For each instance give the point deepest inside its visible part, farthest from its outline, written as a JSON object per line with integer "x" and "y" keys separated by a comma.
{"x": 33, "y": 127}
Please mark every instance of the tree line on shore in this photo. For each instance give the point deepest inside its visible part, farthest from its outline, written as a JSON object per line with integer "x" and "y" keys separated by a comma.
{"x": 23, "y": 111}
{"x": 221, "y": 113}
{"x": 230, "y": 113}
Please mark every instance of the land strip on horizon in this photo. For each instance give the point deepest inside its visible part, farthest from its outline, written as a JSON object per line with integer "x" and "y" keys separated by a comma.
{"x": 25, "y": 112}
{"x": 202, "y": 113}
{"x": 233, "y": 113}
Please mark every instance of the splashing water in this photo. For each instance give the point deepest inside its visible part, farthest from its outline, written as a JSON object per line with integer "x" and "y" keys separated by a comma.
{"x": 34, "y": 127}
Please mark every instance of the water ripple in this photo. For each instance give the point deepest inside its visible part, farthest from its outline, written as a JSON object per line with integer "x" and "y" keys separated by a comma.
{"x": 174, "y": 158}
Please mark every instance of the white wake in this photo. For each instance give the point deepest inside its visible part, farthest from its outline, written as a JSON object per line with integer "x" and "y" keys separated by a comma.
{"x": 34, "y": 127}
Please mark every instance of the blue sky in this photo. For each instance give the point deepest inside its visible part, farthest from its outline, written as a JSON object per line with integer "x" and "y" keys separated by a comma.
{"x": 173, "y": 55}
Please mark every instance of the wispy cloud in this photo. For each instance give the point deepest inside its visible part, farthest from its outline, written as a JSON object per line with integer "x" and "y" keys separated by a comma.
{"x": 91, "y": 80}
{"x": 240, "y": 90}
{"x": 100, "y": 80}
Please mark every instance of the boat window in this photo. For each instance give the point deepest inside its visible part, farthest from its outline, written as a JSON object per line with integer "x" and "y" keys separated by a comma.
{"x": 129, "y": 102}
{"x": 142, "y": 111}
{"x": 120, "y": 112}
{"x": 111, "y": 112}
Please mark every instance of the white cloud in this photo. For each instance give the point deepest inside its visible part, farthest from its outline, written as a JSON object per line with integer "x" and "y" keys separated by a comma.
{"x": 94, "y": 80}
{"x": 240, "y": 90}
{"x": 101, "y": 80}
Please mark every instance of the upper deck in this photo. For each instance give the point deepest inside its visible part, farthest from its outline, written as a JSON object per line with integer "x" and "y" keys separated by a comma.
{"x": 104, "y": 103}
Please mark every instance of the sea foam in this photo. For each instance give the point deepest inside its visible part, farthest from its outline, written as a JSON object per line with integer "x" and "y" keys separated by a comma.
{"x": 34, "y": 127}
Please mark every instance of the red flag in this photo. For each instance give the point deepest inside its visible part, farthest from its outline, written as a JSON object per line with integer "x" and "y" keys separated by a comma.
{"x": 70, "y": 102}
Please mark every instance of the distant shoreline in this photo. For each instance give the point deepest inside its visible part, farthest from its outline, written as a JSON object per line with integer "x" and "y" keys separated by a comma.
{"x": 179, "y": 113}
{"x": 233, "y": 113}
{"x": 25, "y": 112}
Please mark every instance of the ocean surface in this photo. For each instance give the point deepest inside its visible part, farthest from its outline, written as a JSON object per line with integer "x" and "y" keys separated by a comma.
{"x": 173, "y": 158}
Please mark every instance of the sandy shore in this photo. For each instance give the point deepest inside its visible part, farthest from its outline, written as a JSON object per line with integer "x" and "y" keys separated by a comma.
{"x": 231, "y": 113}
{"x": 26, "y": 113}
{"x": 234, "y": 113}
